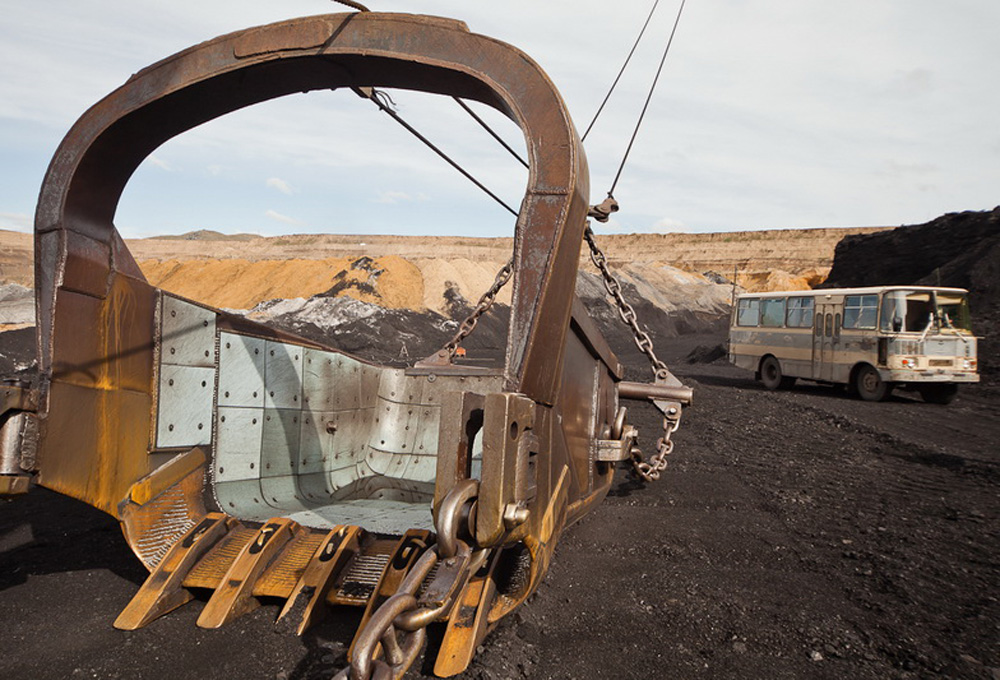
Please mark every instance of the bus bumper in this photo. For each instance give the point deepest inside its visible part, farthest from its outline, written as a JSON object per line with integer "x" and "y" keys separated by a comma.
{"x": 928, "y": 376}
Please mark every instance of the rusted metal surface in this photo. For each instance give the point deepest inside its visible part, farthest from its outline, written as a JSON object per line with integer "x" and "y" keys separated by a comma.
{"x": 94, "y": 162}
{"x": 323, "y": 478}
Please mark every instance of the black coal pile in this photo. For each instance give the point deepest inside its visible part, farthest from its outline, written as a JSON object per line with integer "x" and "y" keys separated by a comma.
{"x": 398, "y": 337}
{"x": 393, "y": 337}
{"x": 706, "y": 354}
{"x": 957, "y": 249}
{"x": 17, "y": 353}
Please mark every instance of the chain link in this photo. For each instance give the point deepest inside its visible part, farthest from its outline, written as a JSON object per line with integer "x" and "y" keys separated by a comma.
{"x": 649, "y": 471}
{"x": 403, "y": 614}
{"x": 485, "y": 302}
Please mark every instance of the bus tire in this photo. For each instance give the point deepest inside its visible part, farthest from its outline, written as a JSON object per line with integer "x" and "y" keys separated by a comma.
{"x": 869, "y": 384}
{"x": 938, "y": 393}
{"x": 771, "y": 375}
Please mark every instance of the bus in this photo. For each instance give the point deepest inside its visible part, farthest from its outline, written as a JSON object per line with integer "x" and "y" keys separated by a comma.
{"x": 870, "y": 339}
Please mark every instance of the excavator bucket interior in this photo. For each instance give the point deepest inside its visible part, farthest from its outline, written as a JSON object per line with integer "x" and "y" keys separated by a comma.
{"x": 245, "y": 460}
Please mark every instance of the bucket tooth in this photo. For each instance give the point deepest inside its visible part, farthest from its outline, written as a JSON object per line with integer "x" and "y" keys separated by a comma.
{"x": 404, "y": 555}
{"x": 307, "y": 602}
{"x": 234, "y": 594}
{"x": 163, "y": 591}
{"x": 467, "y": 625}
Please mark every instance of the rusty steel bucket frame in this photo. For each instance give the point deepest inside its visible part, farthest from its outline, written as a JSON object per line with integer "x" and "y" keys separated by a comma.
{"x": 129, "y": 413}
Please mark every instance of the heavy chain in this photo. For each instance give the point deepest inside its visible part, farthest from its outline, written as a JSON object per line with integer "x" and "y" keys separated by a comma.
{"x": 485, "y": 302}
{"x": 404, "y": 613}
{"x": 649, "y": 471}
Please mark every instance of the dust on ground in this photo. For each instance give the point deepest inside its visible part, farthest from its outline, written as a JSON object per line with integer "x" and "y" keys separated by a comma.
{"x": 795, "y": 534}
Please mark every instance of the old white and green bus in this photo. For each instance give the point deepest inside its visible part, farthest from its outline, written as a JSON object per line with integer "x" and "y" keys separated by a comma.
{"x": 870, "y": 339}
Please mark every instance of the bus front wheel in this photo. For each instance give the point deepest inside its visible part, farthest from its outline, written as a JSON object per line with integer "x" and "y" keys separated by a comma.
{"x": 772, "y": 377}
{"x": 869, "y": 384}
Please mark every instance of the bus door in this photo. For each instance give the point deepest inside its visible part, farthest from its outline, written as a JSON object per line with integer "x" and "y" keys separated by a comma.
{"x": 826, "y": 337}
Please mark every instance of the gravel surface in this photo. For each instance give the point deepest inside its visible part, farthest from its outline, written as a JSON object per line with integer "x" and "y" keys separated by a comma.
{"x": 795, "y": 534}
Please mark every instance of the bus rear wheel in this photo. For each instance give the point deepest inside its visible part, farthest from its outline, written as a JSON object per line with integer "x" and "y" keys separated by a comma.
{"x": 772, "y": 377}
{"x": 869, "y": 384}
{"x": 938, "y": 393}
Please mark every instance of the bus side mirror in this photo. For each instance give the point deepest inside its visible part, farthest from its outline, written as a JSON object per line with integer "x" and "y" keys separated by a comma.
{"x": 897, "y": 323}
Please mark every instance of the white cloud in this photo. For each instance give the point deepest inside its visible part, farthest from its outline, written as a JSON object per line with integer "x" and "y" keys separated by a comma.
{"x": 896, "y": 168}
{"x": 911, "y": 83}
{"x": 15, "y": 221}
{"x": 670, "y": 224}
{"x": 278, "y": 217}
{"x": 394, "y": 197}
{"x": 767, "y": 115}
{"x": 280, "y": 184}
{"x": 152, "y": 159}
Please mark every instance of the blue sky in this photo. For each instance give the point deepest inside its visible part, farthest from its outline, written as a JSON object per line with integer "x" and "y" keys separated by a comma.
{"x": 777, "y": 114}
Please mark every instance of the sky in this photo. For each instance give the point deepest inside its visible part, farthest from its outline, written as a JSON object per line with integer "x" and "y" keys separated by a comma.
{"x": 768, "y": 114}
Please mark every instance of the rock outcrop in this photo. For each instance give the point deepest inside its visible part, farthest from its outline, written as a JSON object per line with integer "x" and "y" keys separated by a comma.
{"x": 957, "y": 249}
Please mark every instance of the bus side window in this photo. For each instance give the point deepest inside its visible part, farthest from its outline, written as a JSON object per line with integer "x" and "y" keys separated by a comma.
{"x": 748, "y": 312}
{"x": 829, "y": 325}
{"x": 772, "y": 312}
{"x": 799, "y": 313}
{"x": 807, "y": 311}
{"x": 819, "y": 325}
{"x": 860, "y": 311}
{"x": 836, "y": 326}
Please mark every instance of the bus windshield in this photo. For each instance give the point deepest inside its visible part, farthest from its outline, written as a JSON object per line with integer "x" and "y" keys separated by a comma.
{"x": 919, "y": 310}
{"x": 953, "y": 311}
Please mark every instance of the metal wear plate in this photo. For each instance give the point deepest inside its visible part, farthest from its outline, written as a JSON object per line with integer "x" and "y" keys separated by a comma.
{"x": 236, "y": 468}
{"x": 405, "y": 428}
{"x": 237, "y": 449}
{"x": 283, "y": 375}
{"x": 184, "y": 407}
{"x": 280, "y": 444}
{"x": 187, "y": 334}
{"x": 332, "y": 440}
{"x": 331, "y": 381}
{"x": 241, "y": 370}
{"x": 280, "y": 459}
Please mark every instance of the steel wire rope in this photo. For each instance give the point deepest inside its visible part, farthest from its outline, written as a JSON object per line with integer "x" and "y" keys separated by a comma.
{"x": 620, "y": 73}
{"x": 649, "y": 97}
{"x": 377, "y": 96}
{"x": 486, "y": 126}
{"x": 385, "y": 102}
{"x": 353, "y": 5}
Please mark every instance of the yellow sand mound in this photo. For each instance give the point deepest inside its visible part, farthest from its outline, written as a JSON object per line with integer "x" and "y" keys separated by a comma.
{"x": 389, "y": 281}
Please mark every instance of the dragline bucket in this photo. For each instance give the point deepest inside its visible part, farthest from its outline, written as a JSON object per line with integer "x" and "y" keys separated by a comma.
{"x": 252, "y": 462}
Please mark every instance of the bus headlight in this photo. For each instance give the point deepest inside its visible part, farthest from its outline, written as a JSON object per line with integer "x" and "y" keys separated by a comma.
{"x": 969, "y": 364}
{"x": 907, "y": 362}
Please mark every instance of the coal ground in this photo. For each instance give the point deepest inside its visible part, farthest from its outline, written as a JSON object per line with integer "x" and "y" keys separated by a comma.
{"x": 795, "y": 534}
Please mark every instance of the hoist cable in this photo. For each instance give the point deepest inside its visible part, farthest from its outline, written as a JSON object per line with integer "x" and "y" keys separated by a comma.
{"x": 622, "y": 71}
{"x": 649, "y": 97}
{"x": 376, "y": 96}
{"x": 353, "y": 5}
{"x": 493, "y": 134}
